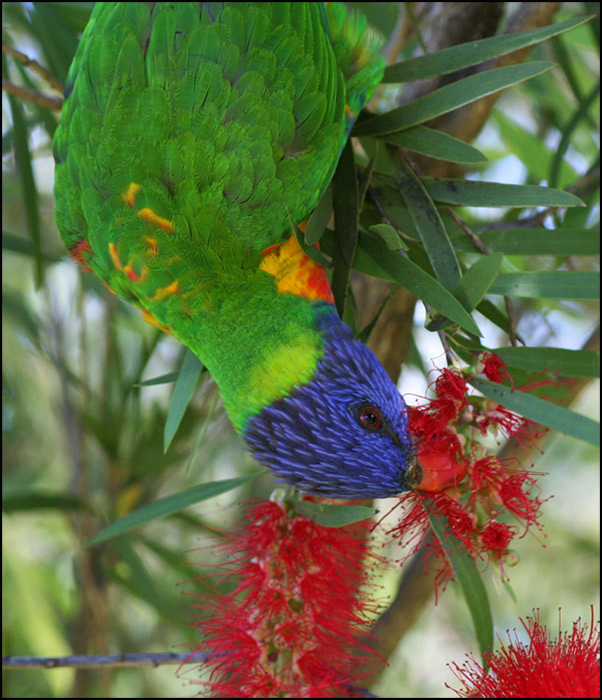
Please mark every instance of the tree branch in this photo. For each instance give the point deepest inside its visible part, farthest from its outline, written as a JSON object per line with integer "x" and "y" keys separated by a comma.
{"x": 31, "y": 95}
{"x": 117, "y": 660}
{"x": 34, "y": 65}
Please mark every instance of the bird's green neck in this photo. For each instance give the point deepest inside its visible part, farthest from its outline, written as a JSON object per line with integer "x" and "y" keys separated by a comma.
{"x": 256, "y": 330}
{"x": 256, "y": 351}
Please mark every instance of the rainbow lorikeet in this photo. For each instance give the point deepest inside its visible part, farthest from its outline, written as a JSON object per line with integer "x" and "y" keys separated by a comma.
{"x": 191, "y": 135}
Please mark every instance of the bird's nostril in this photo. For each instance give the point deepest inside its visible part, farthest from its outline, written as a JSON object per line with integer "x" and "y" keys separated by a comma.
{"x": 413, "y": 475}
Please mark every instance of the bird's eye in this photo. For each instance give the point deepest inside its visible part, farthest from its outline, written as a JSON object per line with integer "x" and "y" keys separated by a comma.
{"x": 370, "y": 418}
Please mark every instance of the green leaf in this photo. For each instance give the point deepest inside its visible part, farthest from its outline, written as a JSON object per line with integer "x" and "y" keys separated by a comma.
{"x": 169, "y": 505}
{"x": 57, "y": 39}
{"x": 28, "y": 183}
{"x": 202, "y": 432}
{"x": 374, "y": 258}
{"x": 495, "y": 315}
{"x": 37, "y": 499}
{"x": 469, "y": 580}
{"x": 366, "y": 176}
{"x": 312, "y": 252}
{"x": 477, "y": 280}
{"x": 168, "y": 378}
{"x": 345, "y": 198}
{"x": 389, "y": 235}
{"x": 18, "y": 244}
{"x": 436, "y": 144}
{"x": 429, "y": 225}
{"x": 567, "y": 133}
{"x": 346, "y": 203}
{"x": 319, "y": 218}
{"x": 331, "y": 515}
{"x": 548, "y": 285}
{"x": 471, "y": 53}
{"x": 188, "y": 376}
{"x": 552, "y": 416}
{"x": 536, "y": 241}
{"x": 470, "y": 193}
{"x": 449, "y": 97}
{"x": 573, "y": 363}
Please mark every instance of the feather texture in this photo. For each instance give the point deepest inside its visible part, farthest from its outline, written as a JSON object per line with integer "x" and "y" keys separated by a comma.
{"x": 192, "y": 133}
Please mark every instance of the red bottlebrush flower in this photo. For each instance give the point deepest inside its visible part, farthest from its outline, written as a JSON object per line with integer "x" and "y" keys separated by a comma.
{"x": 493, "y": 367}
{"x": 510, "y": 424}
{"x": 451, "y": 392}
{"x": 414, "y": 527}
{"x": 292, "y": 623}
{"x": 493, "y": 484}
{"x": 496, "y": 537}
{"x": 566, "y": 667}
{"x": 470, "y": 490}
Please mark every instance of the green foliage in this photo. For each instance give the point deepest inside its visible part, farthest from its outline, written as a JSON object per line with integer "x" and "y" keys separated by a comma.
{"x": 86, "y": 416}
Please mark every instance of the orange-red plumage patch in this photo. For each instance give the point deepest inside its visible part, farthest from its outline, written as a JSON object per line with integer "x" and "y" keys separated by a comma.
{"x": 152, "y": 244}
{"x": 295, "y": 273}
{"x": 115, "y": 256}
{"x": 133, "y": 275}
{"x": 130, "y": 194}
{"x": 147, "y": 214}
{"x": 149, "y": 318}
{"x": 172, "y": 288}
{"x": 80, "y": 251}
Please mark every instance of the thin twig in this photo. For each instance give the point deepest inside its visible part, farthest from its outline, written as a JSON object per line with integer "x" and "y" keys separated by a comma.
{"x": 34, "y": 65}
{"x": 26, "y": 93}
{"x": 585, "y": 185}
{"x": 82, "y": 661}
{"x": 474, "y": 237}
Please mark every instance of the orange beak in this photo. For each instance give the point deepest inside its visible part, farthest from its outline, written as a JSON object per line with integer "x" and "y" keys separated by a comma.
{"x": 436, "y": 469}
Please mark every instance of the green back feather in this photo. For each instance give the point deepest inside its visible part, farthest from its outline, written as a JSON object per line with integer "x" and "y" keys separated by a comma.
{"x": 229, "y": 118}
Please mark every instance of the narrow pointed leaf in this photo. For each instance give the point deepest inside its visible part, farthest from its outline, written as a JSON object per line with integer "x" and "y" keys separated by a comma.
{"x": 568, "y": 130}
{"x": 573, "y": 363}
{"x": 389, "y": 235}
{"x": 28, "y": 183}
{"x": 366, "y": 176}
{"x": 429, "y": 225}
{"x": 345, "y": 200}
{"x": 552, "y": 416}
{"x": 188, "y": 376}
{"x": 495, "y": 315}
{"x": 169, "y": 505}
{"x": 469, "y": 580}
{"x": 477, "y": 280}
{"x": 536, "y": 241}
{"x": 374, "y": 258}
{"x": 449, "y": 97}
{"x": 436, "y": 144}
{"x": 168, "y": 378}
{"x": 473, "y": 52}
{"x": 39, "y": 499}
{"x": 345, "y": 197}
{"x": 470, "y": 193}
{"x": 331, "y": 515}
{"x": 319, "y": 218}
{"x": 548, "y": 285}
{"x": 312, "y": 251}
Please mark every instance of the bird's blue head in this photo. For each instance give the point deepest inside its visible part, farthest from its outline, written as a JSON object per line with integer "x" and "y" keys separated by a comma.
{"x": 345, "y": 433}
